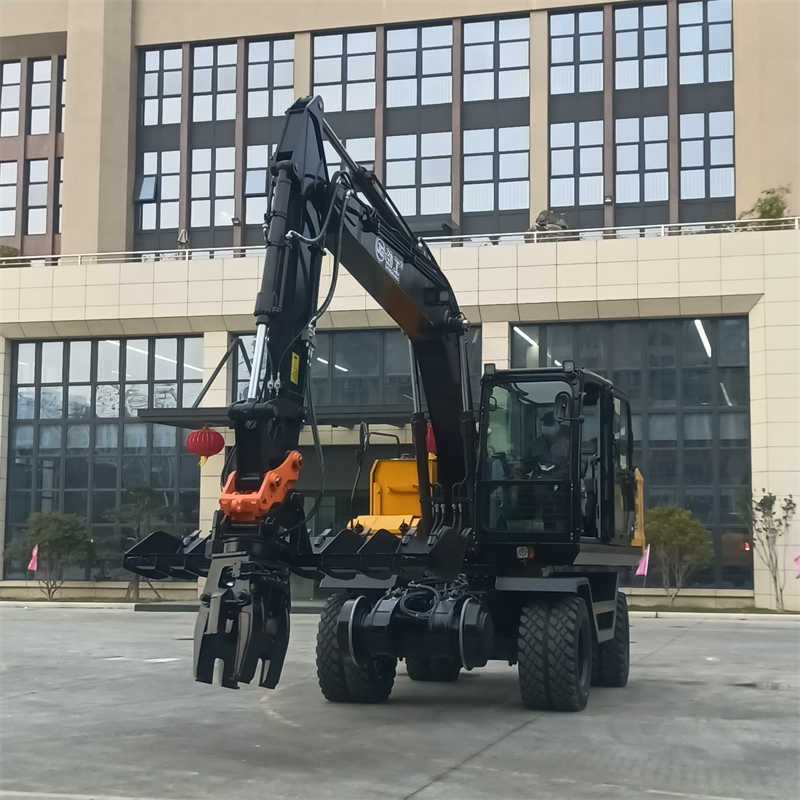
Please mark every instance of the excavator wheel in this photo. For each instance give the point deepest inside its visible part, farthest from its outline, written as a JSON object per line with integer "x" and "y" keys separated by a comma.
{"x": 614, "y": 655}
{"x": 330, "y": 663}
{"x": 340, "y": 680}
{"x": 444, "y": 670}
{"x": 554, "y": 654}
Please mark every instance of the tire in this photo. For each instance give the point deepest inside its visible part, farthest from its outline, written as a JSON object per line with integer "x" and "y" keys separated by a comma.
{"x": 340, "y": 680}
{"x": 445, "y": 670}
{"x": 615, "y": 654}
{"x": 441, "y": 670}
{"x": 371, "y": 683}
{"x": 418, "y": 669}
{"x": 330, "y": 662}
{"x": 554, "y": 654}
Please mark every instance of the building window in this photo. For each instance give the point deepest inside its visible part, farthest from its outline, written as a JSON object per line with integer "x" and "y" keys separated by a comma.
{"x": 687, "y": 381}
{"x": 576, "y": 164}
{"x": 161, "y": 86}
{"x": 640, "y": 46}
{"x": 8, "y": 198}
{"x": 496, "y": 59}
{"x": 419, "y": 65}
{"x": 641, "y": 159}
{"x": 705, "y": 41}
{"x": 62, "y": 92}
{"x": 496, "y": 170}
{"x": 418, "y": 172}
{"x": 76, "y": 445}
{"x": 361, "y": 370}
{"x": 9, "y": 98}
{"x": 41, "y": 73}
{"x": 707, "y": 155}
{"x": 344, "y": 70}
{"x": 212, "y": 187}
{"x": 59, "y": 193}
{"x": 158, "y": 190}
{"x": 256, "y": 183}
{"x": 576, "y": 52}
{"x": 361, "y": 149}
{"x": 214, "y": 82}
{"x": 37, "y": 196}
{"x": 270, "y": 77}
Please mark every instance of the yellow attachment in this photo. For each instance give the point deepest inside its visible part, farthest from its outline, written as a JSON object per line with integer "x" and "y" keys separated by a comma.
{"x": 394, "y": 495}
{"x": 638, "y": 533}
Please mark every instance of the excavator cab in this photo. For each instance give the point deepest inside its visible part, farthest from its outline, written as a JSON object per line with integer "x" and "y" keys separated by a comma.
{"x": 556, "y": 460}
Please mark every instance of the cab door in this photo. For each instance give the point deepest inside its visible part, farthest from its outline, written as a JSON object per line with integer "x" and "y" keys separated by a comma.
{"x": 624, "y": 489}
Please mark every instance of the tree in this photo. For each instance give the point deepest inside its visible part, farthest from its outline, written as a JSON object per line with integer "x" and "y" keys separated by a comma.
{"x": 679, "y": 544}
{"x": 62, "y": 539}
{"x": 768, "y": 523}
{"x": 771, "y": 204}
{"x": 143, "y": 510}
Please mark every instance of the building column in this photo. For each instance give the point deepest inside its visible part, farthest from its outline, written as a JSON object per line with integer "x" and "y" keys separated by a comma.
{"x": 98, "y": 133}
{"x": 495, "y": 341}
{"x": 215, "y": 343}
{"x": 302, "y": 64}
{"x": 774, "y": 400}
{"x": 539, "y": 131}
{"x": 5, "y": 402}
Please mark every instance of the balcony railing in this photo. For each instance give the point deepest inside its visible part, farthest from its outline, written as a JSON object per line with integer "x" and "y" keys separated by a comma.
{"x": 472, "y": 240}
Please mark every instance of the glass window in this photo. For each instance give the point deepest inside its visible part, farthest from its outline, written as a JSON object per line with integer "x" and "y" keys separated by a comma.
{"x": 8, "y": 198}
{"x": 37, "y": 196}
{"x": 576, "y": 151}
{"x": 344, "y": 70}
{"x": 160, "y": 86}
{"x": 212, "y": 183}
{"x": 418, "y": 65}
{"x": 496, "y": 59}
{"x": 705, "y": 42}
{"x": 707, "y": 153}
{"x": 576, "y": 52}
{"x": 214, "y": 82}
{"x": 640, "y": 46}
{"x": 39, "y": 114}
{"x": 496, "y": 169}
{"x": 158, "y": 190}
{"x": 690, "y": 420}
{"x": 76, "y": 468}
{"x": 10, "y": 79}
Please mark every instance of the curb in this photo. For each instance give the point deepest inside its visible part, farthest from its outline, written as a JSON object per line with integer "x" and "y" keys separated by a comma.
{"x": 315, "y": 607}
{"x": 298, "y": 607}
{"x": 50, "y": 604}
{"x": 725, "y": 616}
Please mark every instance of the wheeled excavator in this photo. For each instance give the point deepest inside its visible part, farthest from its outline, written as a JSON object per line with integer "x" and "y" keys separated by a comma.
{"x": 505, "y": 543}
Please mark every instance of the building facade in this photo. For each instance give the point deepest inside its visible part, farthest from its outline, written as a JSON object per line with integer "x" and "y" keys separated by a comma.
{"x": 131, "y": 210}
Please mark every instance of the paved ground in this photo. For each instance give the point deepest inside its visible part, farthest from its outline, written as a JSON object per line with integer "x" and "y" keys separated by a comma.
{"x": 100, "y": 705}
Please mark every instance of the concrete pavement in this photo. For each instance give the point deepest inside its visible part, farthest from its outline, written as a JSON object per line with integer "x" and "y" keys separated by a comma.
{"x": 103, "y": 706}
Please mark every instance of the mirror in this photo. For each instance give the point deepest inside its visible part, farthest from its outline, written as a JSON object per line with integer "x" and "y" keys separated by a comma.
{"x": 562, "y": 408}
{"x": 589, "y": 447}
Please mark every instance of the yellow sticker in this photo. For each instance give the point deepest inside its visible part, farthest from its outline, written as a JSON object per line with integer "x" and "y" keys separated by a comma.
{"x": 294, "y": 375}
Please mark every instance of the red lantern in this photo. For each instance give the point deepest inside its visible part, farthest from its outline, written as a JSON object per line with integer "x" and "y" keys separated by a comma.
{"x": 204, "y": 443}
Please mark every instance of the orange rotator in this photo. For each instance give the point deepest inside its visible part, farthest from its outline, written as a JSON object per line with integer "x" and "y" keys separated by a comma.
{"x": 252, "y": 506}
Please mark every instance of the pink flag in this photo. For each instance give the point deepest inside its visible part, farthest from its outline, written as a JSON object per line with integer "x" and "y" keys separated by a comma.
{"x": 34, "y": 562}
{"x": 643, "y": 562}
{"x": 797, "y": 561}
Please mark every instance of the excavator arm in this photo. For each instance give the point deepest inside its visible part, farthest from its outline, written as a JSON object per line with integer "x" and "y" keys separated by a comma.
{"x": 259, "y": 534}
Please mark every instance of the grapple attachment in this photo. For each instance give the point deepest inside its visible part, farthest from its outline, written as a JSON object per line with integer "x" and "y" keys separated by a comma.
{"x": 243, "y": 621}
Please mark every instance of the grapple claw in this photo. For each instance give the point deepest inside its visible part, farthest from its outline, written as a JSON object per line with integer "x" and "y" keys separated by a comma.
{"x": 243, "y": 620}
